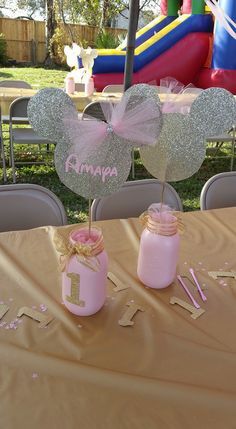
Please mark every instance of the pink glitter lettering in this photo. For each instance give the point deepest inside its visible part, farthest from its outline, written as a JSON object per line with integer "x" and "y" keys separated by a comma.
{"x": 72, "y": 163}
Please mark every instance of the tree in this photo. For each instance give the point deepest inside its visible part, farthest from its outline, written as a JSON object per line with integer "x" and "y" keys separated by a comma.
{"x": 100, "y": 12}
{"x": 30, "y": 7}
{"x": 51, "y": 25}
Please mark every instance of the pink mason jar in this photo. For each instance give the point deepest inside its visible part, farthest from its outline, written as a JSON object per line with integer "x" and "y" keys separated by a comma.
{"x": 159, "y": 249}
{"x": 85, "y": 275}
{"x": 70, "y": 85}
{"x": 89, "y": 87}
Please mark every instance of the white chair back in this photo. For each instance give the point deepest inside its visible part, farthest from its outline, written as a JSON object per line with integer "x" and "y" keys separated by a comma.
{"x": 15, "y": 84}
{"x": 25, "y": 206}
{"x": 113, "y": 89}
{"x": 133, "y": 199}
{"x": 94, "y": 110}
{"x": 219, "y": 191}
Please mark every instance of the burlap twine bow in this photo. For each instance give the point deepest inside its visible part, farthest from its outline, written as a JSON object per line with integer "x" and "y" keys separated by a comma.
{"x": 86, "y": 254}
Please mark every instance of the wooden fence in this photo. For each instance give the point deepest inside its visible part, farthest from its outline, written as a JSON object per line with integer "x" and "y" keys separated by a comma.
{"x": 26, "y": 40}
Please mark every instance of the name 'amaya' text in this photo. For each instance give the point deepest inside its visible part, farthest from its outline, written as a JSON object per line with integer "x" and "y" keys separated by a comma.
{"x": 72, "y": 163}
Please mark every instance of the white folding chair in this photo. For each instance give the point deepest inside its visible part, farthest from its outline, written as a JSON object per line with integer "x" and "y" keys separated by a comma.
{"x": 219, "y": 191}
{"x": 22, "y": 136}
{"x": 2, "y": 152}
{"x": 220, "y": 140}
{"x": 25, "y": 206}
{"x": 94, "y": 110}
{"x": 15, "y": 84}
{"x": 113, "y": 89}
{"x": 133, "y": 199}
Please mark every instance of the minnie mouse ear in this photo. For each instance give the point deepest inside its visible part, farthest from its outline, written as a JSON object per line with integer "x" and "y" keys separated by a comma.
{"x": 213, "y": 112}
{"x": 46, "y": 111}
{"x": 179, "y": 151}
{"x": 140, "y": 92}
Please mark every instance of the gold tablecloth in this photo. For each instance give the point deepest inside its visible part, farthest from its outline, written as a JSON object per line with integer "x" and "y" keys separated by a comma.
{"x": 166, "y": 371}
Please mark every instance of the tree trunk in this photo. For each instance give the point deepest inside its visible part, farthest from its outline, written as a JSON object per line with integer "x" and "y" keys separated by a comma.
{"x": 105, "y": 20}
{"x": 51, "y": 25}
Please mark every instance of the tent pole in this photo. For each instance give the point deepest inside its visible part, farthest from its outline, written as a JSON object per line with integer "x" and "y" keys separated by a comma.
{"x": 129, "y": 60}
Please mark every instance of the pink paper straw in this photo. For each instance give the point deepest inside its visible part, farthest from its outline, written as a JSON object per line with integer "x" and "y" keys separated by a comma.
{"x": 188, "y": 292}
{"x": 204, "y": 298}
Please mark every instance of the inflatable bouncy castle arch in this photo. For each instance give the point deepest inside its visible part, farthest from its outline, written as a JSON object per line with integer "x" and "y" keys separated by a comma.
{"x": 185, "y": 42}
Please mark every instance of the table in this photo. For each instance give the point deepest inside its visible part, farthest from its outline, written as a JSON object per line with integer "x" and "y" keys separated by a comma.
{"x": 166, "y": 371}
{"x": 8, "y": 95}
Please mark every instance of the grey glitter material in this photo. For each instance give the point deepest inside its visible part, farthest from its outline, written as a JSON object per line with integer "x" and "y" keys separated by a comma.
{"x": 140, "y": 92}
{"x": 213, "y": 112}
{"x": 112, "y": 153}
{"x": 180, "y": 150}
{"x": 178, "y": 153}
{"x": 46, "y": 111}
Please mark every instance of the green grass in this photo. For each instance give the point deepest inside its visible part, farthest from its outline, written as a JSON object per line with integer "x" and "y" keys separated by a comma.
{"x": 76, "y": 206}
{"x": 38, "y": 77}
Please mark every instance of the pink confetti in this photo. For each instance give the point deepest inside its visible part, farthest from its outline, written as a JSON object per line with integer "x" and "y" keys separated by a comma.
{"x": 43, "y": 307}
{"x": 35, "y": 375}
{"x": 2, "y": 324}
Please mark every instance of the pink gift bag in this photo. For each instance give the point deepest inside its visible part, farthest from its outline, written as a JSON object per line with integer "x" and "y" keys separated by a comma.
{"x": 85, "y": 275}
{"x": 159, "y": 248}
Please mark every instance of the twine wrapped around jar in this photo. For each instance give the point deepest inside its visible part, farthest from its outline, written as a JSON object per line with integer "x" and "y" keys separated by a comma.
{"x": 85, "y": 253}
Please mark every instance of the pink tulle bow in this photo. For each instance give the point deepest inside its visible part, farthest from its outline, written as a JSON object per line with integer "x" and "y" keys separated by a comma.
{"x": 135, "y": 124}
{"x": 176, "y": 97}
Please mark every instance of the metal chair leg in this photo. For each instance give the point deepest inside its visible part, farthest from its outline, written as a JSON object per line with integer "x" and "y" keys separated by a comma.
{"x": 12, "y": 160}
{"x": 233, "y": 151}
{"x": 133, "y": 165}
{"x": 2, "y": 155}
